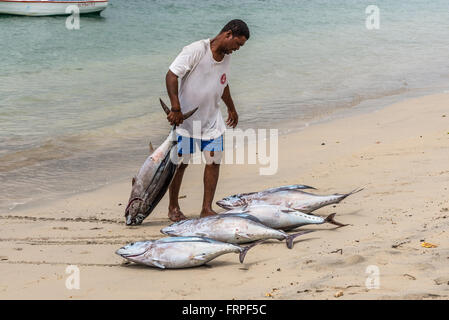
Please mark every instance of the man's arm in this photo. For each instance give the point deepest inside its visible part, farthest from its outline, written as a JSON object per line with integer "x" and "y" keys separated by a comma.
{"x": 233, "y": 117}
{"x": 171, "y": 81}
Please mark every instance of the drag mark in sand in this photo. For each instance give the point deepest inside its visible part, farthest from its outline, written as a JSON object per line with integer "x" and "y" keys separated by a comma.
{"x": 64, "y": 219}
{"x": 64, "y": 263}
{"x": 76, "y": 240}
{"x": 78, "y": 219}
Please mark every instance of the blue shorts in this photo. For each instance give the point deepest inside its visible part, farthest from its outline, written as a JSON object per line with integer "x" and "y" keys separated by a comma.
{"x": 186, "y": 145}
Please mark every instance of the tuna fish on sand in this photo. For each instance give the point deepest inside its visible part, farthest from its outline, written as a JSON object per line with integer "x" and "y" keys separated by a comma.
{"x": 231, "y": 228}
{"x": 179, "y": 252}
{"x": 280, "y": 217}
{"x": 287, "y": 196}
{"x": 154, "y": 177}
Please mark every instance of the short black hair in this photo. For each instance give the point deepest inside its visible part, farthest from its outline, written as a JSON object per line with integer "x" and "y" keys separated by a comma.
{"x": 238, "y": 28}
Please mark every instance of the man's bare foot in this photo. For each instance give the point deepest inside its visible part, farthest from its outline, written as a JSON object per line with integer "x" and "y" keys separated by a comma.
{"x": 207, "y": 212}
{"x": 175, "y": 214}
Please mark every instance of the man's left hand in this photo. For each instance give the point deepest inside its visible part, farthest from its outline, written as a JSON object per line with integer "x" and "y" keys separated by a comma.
{"x": 233, "y": 118}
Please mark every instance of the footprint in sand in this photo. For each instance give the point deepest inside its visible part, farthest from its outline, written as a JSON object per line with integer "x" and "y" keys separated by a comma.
{"x": 420, "y": 296}
{"x": 328, "y": 263}
{"x": 424, "y": 266}
{"x": 355, "y": 259}
{"x": 442, "y": 280}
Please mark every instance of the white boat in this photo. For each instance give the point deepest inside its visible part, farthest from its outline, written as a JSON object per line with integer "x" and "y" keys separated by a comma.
{"x": 50, "y": 7}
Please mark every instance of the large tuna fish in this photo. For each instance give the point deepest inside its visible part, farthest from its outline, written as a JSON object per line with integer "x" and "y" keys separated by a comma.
{"x": 154, "y": 177}
{"x": 280, "y": 217}
{"x": 178, "y": 252}
{"x": 287, "y": 196}
{"x": 231, "y": 228}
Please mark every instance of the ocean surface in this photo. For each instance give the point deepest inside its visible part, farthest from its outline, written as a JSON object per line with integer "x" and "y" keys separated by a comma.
{"x": 79, "y": 107}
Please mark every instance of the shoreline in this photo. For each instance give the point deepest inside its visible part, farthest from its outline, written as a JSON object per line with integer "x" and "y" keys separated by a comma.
{"x": 284, "y": 127}
{"x": 398, "y": 153}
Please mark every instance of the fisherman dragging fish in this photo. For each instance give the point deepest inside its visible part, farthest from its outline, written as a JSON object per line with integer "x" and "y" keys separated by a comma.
{"x": 200, "y": 72}
{"x": 152, "y": 181}
{"x": 202, "y": 69}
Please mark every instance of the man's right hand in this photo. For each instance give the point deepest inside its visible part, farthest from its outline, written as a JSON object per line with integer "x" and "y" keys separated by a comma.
{"x": 175, "y": 117}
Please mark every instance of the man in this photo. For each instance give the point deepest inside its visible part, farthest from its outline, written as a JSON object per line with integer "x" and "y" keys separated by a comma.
{"x": 202, "y": 68}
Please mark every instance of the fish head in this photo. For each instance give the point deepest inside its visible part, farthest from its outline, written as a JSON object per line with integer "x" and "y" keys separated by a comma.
{"x": 134, "y": 212}
{"x": 169, "y": 230}
{"x": 134, "y": 250}
{"x": 232, "y": 202}
{"x": 175, "y": 228}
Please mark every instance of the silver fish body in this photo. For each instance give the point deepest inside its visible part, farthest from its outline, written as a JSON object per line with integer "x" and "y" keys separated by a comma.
{"x": 280, "y": 217}
{"x": 151, "y": 182}
{"x": 232, "y": 228}
{"x": 288, "y": 197}
{"x": 242, "y": 199}
{"x": 154, "y": 177}
{"x": 178, "y": 252}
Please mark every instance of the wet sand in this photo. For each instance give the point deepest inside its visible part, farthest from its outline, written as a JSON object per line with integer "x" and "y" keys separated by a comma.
{"x": 398, "y": 154}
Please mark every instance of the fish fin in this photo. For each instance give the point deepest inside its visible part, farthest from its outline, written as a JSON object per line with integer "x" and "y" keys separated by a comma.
{"x": 289, "y": 239}
{"x": 151, "y": 148}
{"x": 199, "y": 257}
{"x": 235, "y": 210}
{"x": 242, "y": 208}
{"x": 243, "y": 235}
{"x": 201, "y": 234}
{"x": 330, "y": 219}
{"x": 243, "y": 215}
{"x": 245, "y": 249}
{"x": 293, "y": 187}
{"x": 157, "y": 264}
{"x": 289, "y": 210}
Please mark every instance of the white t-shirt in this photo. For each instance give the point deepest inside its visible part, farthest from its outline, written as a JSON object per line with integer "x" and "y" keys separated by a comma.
{"x": 202, "y": 83}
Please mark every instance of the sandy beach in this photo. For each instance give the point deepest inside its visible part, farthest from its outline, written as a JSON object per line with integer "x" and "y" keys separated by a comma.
{"x": 399, "y": 154}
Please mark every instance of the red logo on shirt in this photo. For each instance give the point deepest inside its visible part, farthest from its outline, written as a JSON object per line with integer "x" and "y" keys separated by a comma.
{"x": 223, "y": 78}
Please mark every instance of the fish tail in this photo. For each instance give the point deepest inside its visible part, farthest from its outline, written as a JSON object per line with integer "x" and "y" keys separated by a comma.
{"x": 245, "y": 249}
{"x": 350, "y": 193}
{"x": 167, "y": 110}
{"x": 238, "y": 210}
{"x": 188, "y": 114}
{"x": 164, "y": 106}
{"x": 330, "y": 219}
{"x": 289, "y": 239}
{"x": 355, "y": 191}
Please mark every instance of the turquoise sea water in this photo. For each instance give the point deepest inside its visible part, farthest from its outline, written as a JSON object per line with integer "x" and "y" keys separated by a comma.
{"x": 78, "y": 107}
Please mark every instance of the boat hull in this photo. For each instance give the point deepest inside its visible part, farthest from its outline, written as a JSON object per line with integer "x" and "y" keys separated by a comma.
{"x": 49, "y": 8}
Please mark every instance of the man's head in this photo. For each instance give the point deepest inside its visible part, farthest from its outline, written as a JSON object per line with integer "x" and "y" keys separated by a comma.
{"x": 234, "y": 33}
